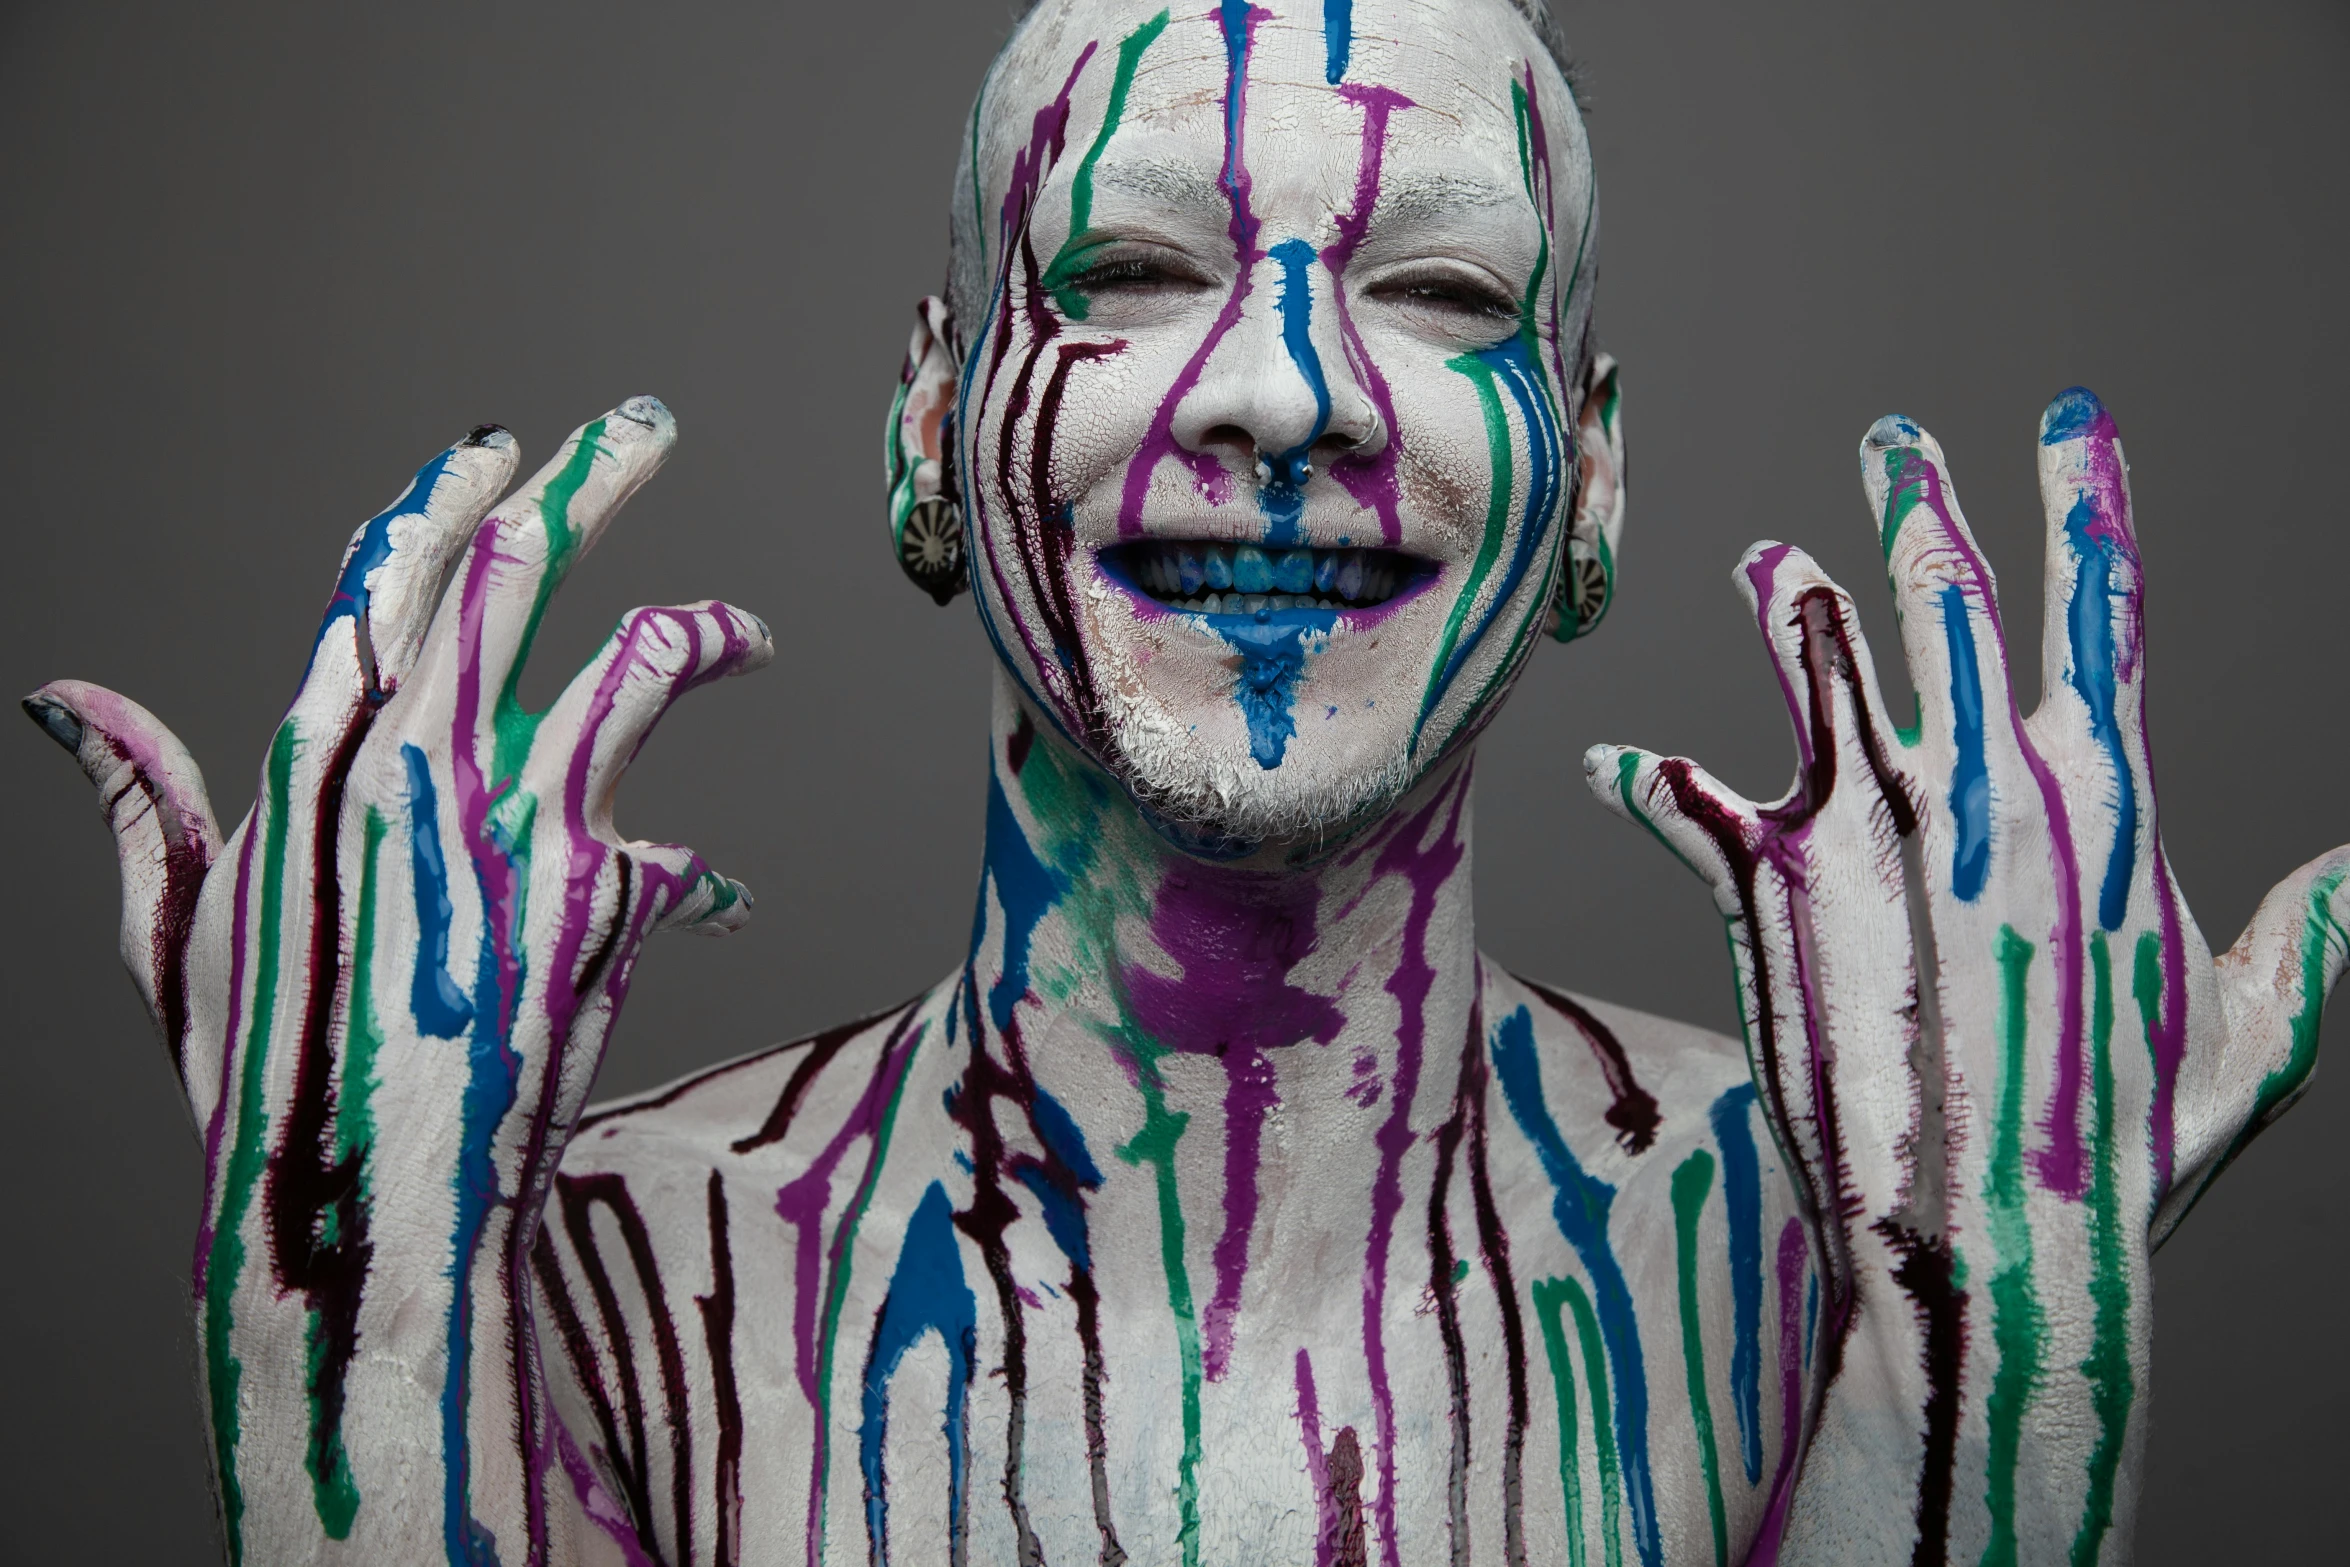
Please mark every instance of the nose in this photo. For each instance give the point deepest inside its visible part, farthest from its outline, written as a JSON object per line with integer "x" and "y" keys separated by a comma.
{"x": 1280, "y": 393}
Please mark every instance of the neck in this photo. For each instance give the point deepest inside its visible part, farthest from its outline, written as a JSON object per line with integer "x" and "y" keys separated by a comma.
{"x": 1097, "y": 934}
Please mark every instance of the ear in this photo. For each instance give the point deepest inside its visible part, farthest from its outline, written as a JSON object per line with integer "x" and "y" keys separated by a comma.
{"x": 1587, "y": 577}
{"x": 925, "y": 524}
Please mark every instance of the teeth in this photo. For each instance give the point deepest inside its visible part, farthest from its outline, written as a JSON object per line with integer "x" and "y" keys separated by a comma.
{"x": 1245, "y": 579}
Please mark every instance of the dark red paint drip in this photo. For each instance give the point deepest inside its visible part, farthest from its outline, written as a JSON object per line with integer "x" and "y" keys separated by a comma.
{"x": 821, "y": 1049}
{"x": 577, "y": 1195}
{"x": 1632, "y": 1110}
{"x": 1493, "y": 1244}
{"x": 1441, "y": 1284}
{"x": 317, "y": 1222}
{"x": 717, "y": 1310}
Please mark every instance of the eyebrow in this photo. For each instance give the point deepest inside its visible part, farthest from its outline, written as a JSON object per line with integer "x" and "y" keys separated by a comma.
{"x": 1404, "y": 198}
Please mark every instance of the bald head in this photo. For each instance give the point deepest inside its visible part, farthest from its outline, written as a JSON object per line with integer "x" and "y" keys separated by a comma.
{"x": 1265, "y": 384}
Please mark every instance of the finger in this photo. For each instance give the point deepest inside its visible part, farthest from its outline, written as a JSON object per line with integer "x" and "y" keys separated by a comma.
{"x": 1709, "y": 827}
{"x": 518, "y": 558}
{"x": 601, "y": 721}
{"x": 165, "y": 838}
{"x": 1947, "y": 603}
{"x": 2092, "y": 672}
{"x": 684, "y": 893}
{"x": 395, "y": 565}
{"x": 1813, "y": 633}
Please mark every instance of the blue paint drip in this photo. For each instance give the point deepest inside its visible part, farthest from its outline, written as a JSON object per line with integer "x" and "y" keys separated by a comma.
{"x": 1239, "y": 23}
{"x": 927, "y": 1294}
{"x": 1580, "y": 1209}
{"x": 1513, "y": 364}
{"x": 371, "y": 549}
{"x": 1283, "y": 497}
{"x": 1742, "y": 1199}
{"x": 1273, "y": 654}
{"x": 493, "y": 1079}
{"x": 2089, "y": 621}
{"x": 1970, "y": 778}
{"x": 440, "y": 1008}
{"x": 1811, "y": 1315}
{"x": 1064, "y": 1212}
{"x": 1338, "y": 38}
{"x": 1024, "y": 887}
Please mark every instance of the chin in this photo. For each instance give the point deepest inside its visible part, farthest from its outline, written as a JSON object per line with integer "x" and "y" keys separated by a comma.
{"x": 1225, "y": 768}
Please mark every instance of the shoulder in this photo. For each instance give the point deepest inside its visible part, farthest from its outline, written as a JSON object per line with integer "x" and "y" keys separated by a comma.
{"x": 762, "y": 1115}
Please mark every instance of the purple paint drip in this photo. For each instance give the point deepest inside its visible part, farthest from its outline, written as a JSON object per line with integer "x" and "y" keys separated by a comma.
{"x": 1159, "y": 443}
{"x": 1426, "y": 871}
{"x": 1372, "y": 480}
{"x": 1792, "y": 1256}
{"x": 1763, "y": 573}
{"x": 1235, "y": 935}
{"x": 1309, "y": 1424}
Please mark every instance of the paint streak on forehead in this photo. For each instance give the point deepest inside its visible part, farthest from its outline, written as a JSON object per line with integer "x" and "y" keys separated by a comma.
{"x": 1461, "y": 65}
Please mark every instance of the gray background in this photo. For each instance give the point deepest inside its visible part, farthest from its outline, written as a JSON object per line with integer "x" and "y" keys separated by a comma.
{"x": 258, "y": 261}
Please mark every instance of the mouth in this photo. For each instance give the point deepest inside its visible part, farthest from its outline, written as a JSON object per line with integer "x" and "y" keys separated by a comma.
{"x": 1219, "y": 577}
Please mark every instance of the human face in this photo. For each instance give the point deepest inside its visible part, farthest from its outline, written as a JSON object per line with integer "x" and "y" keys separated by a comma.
{"x": 1264, "y": 424}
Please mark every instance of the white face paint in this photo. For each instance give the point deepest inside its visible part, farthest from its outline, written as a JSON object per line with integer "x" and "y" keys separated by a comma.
{"x": 1273, "y": 347}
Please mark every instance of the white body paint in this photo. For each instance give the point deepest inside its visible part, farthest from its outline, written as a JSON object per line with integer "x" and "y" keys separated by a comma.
{"x": 1035, "y": 1268}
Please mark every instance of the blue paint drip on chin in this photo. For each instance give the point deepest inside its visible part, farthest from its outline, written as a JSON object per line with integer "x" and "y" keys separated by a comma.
{"x": 440, "y": 1008}
{"x": 1970, "y": 777}
{"x": 1338, "y": 38}
{"x": 1579, "y": 1206}
{"x": 1273, "y": 654}
{"x": 2089, "y": 625}
{"x": 1742, "y": 1200}
{"x": 927, "y": 1294}
{"x": 1283, "y": 495}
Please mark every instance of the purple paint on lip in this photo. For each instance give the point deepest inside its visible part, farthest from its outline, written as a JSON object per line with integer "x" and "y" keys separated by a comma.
{"x": 1235, "y": 935}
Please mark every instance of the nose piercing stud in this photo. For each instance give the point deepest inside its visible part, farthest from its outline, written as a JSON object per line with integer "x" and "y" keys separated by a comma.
{"x": 1264, "y": 472}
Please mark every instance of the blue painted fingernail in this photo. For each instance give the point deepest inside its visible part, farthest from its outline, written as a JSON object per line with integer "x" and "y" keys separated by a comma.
{"x": 492, "y": 435}
{"x": 647, "y": 411}
{"x": 56, "y": 720}
{"x": 1894, "y": 430}
{"x": 2068, "y": 417}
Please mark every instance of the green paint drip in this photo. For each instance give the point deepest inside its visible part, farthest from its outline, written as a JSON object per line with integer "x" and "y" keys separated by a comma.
{"x": 1497, "y": 517}
{"x": 848, "y": 1258}
{"x": 514, "y": 726}
{"x": 1691, "y": 1182}
{"x": 2321, "y": 936}
{"x": 1550, "y": 1297}
{"x": 2112, "y": 1388}
{"x": 1901, "y": 498}
{"x": 1603, "y": 1435}
{"x": 226, "y": 1265}
{"x": 2016, "y": 1323}
{"x": 1154, "y": 1145}
{"x": 1076, "y": 251}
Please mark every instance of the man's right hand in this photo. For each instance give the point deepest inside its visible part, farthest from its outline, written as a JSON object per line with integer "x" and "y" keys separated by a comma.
{"x": 387, "y": 995}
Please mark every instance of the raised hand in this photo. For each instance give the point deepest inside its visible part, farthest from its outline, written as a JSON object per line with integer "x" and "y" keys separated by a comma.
{"x": 388, "y": 994}
{"x": 1989, "y": 1034}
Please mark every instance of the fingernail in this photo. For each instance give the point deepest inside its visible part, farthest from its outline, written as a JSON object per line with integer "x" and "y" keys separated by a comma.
{"x": 57, "y": 720}
{"x": 647, "y": 411}
{"x": 2070, "y": 416}
{"x": 1894, "y": 430}
{"x": 488, "y": 435}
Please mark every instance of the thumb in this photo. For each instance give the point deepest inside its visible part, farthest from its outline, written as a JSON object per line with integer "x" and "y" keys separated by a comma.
{"x": 153, "y": 798}
{"x": 2273, "y": 985}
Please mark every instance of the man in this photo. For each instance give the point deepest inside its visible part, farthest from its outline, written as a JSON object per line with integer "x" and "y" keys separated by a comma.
{"x": 1224, "y": 1205}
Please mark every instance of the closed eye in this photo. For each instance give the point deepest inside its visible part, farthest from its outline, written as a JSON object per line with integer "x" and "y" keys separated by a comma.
{"x": 1143, "y": 274}
{"x": 1451, "y": 299}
